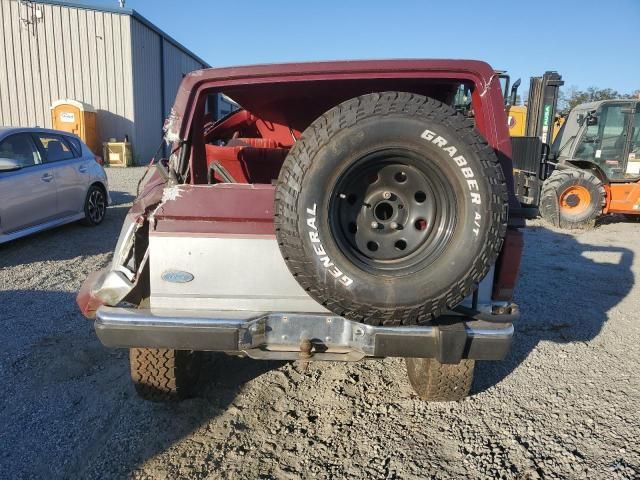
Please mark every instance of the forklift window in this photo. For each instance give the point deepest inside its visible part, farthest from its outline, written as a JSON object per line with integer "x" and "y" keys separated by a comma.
{"x": 603, "y": 143}
{"x": 559, "y": 142}
{"x": 462, "y": 100}
{"x": 635, "y": 139}
{"x": 633, "y": 162}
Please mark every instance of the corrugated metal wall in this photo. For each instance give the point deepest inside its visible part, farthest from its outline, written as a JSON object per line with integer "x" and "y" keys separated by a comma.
{"x": 176, "y": 66}
{"x": 127, "y": 70}
{"x": 147, "y": 87}
{"x": 74, "y": 53}
{"x": 158, "y": 68}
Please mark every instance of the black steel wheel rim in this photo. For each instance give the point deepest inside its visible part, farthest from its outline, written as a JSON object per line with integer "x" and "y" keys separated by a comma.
{"x": 96, "y": 206}
{"x": 392, "y": 212}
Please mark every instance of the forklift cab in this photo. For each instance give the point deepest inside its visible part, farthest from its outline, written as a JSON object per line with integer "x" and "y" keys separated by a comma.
{"x": 604, "y": 136}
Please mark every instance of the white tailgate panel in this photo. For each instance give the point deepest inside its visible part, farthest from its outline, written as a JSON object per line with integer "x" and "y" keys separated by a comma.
{"x": 228, "y": 274}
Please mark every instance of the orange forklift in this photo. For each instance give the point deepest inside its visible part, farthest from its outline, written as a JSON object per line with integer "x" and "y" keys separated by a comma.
{"x": 591, "y": 167}
{"x": 596, "y": 165}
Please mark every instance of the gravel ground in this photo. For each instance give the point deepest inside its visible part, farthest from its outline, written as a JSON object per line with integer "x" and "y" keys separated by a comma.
{"x": 563, "y": 405}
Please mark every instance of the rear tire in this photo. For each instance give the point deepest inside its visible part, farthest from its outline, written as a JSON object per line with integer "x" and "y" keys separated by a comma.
{"x": 95, "y": 206}
{"x": 439, "y": 382}
{"x": 572, "y": 198}
{"x": 161, "y": 374}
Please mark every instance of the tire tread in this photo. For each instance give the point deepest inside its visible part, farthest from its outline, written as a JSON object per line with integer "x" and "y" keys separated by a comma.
{"x": 299, "y": 161}
{"x": 551, "y": 189}
{"x": 438, "y": 382}
{"x": 161, "y": 374}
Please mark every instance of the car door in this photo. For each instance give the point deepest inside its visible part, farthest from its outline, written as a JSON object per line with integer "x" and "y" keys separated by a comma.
{"x": 68, "y": 169}
{"x": 27, "y": 195}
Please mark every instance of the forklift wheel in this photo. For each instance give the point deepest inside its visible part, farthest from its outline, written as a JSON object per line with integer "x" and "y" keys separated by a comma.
{"x": 572, "y": 198}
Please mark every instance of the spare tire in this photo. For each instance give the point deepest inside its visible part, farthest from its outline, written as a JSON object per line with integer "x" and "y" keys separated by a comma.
{"x": 390, "y": 208}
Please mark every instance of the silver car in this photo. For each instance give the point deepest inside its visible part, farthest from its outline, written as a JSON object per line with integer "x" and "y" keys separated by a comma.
{"x": 47, "y": 178}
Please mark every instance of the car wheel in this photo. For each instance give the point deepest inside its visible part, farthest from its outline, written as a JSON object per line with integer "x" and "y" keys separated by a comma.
{"x": 95, "y": 206}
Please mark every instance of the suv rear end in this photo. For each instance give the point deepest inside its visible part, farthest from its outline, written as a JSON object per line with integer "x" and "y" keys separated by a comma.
{"x": 347, "y": 211}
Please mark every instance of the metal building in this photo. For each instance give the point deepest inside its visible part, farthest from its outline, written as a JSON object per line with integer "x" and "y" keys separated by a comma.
{"x": 112, "y": 58}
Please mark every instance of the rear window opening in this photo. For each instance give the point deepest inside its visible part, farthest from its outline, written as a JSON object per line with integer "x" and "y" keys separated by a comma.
{"x": 249, "y": 144}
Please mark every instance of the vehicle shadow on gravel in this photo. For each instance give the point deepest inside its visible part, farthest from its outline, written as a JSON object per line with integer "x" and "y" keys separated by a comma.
{"x": 67, "y": 241}
{"x": 617, "y": 218}
{"x": 164, "y": 425}
{"x": 556, "y": 273}
{"x": 90, "y": 403}
{"x": 223, "y": 376}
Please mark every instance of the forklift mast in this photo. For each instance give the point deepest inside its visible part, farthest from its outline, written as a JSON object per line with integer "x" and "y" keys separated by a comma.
{"x": 530, "y": 152}
{"x": 542, "y": 104}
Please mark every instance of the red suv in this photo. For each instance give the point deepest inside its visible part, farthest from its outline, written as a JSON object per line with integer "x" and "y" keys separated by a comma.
{"x": 346, "y": 210}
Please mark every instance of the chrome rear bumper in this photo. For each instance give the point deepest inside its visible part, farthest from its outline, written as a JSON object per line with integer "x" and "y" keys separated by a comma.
{"x": 295, "y": 336}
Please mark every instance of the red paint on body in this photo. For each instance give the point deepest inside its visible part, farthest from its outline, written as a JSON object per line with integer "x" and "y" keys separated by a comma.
{"x": 223, "y": 209}
{"x": 508, "y": 266}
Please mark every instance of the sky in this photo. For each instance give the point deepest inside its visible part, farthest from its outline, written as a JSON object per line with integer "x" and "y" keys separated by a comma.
{"x": 589, "y": 42}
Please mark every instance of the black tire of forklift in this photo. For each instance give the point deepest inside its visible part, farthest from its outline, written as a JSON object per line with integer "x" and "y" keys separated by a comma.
{"x": 439, "y": 382}
{"x": 341, "y": 161}
{"x": 164, "y": 375}
{"x": 552, "y": 190}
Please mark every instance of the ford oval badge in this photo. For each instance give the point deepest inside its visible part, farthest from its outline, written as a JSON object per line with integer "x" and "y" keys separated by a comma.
{"x": 177, "y": 276}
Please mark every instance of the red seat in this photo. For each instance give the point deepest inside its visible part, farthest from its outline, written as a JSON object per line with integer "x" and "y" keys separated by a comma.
{"x": 248, "y": 160}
